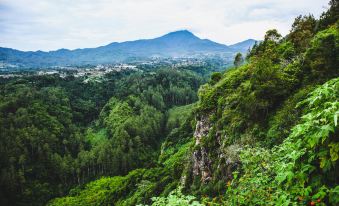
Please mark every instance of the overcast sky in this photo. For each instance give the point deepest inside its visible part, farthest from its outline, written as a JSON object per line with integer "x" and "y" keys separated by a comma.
{"x": 53, "y": 24}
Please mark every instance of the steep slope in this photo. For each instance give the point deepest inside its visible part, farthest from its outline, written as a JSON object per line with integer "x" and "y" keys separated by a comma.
{"x": 265, "y": 133}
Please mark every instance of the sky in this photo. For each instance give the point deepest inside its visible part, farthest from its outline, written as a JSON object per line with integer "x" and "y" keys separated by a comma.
{"x": 31, "y": 25}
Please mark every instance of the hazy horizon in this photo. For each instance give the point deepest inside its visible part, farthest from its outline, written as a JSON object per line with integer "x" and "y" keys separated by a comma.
{"x": 51, "y": 25}
{"x": 132, "y": 41}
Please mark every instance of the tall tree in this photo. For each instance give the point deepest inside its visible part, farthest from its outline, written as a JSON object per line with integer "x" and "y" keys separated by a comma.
{"x": 238, "y": 60}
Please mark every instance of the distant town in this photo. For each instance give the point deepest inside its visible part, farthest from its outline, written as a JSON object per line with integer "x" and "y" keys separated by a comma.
{"x": 97, "y": 71}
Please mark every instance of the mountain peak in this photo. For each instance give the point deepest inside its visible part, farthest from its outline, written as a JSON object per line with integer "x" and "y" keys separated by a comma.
{"x": 250, "y": 40}
{"x": 181, "y": 33}
{"x": 184, "y": 31}
{"x": 181, "y": 43}
{"x": 243, "y": 45}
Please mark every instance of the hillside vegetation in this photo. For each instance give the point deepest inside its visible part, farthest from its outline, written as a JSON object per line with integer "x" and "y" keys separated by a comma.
{"x": 264, "y": 132}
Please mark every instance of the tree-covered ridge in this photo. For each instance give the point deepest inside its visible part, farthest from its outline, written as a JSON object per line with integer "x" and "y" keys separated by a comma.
{"x": 58, "y": 133}
{"x": 140, "y": 185}
{"x": 301, "y": 170}
{"x": 267, "y": 176}
{"x": 262, "y": 133}
{"x": 245, "y": 153}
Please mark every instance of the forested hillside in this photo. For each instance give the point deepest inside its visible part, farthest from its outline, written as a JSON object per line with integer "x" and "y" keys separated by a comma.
{"x": 59, "y": 133}
{"x": 264, "y": 132}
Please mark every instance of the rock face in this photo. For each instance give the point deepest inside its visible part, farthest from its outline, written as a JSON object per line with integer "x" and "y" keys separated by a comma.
{"x": 201, "y": 162}
{"x": 226, "y": 156}
{"x": 201, "y": 129}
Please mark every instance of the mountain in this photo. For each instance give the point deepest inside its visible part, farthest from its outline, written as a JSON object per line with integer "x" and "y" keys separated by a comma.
{"x": 243, "y": 46}
{"x": 181, "y": 43}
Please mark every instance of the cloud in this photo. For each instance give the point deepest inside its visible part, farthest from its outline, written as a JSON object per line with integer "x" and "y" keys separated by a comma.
{"x": 54, "y": 24}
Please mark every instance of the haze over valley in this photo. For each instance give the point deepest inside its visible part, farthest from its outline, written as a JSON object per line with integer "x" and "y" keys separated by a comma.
{"x": 176, "y": 45}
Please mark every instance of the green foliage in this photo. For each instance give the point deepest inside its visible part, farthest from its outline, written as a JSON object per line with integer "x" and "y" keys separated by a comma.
{"x": 175, "y": 160}
{"x": 95, "y": 137}
{"x": 285, "y": 117}
{"x": 50, "y": 141}
{"x": 162, "y": 89}
{"x": 329, "y": 17}
{"x": 303, "y": 29}
{"x": 215, "y": 77}
{"x": 272, "y": 35}
{"x": 155, "y": 180}
{"x": 255, "y": 104}
{"x": 272, "y": 139}
{"x": 238, "y": 60}
{"x": 175, "y": 198}
{"x": 301, "y": 169}
{"x": 321, "y": 59}
{"x": 36, "y": 127}
{"x": 138, "y": 187}
{"x": 177, "y": 116}
{"x": 246, "y": 97}
{"x": 105, "y": 191}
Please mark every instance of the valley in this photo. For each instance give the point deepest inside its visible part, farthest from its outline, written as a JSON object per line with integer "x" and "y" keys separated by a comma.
{"x": 175, "y": 120}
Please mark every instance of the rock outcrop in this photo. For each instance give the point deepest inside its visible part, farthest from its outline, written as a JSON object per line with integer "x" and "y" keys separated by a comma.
{"x": 226, "y": 156}
{"x": 201, "y": 162}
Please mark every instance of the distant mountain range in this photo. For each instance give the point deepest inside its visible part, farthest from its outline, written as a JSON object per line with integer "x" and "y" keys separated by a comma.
{"x": 179, "y": 44}
{"x": 243, "y": 46}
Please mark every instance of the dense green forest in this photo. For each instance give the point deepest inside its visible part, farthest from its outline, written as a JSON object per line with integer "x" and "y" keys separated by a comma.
{"x": 264, "y": 132}
{"x": 58, "y": 133}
